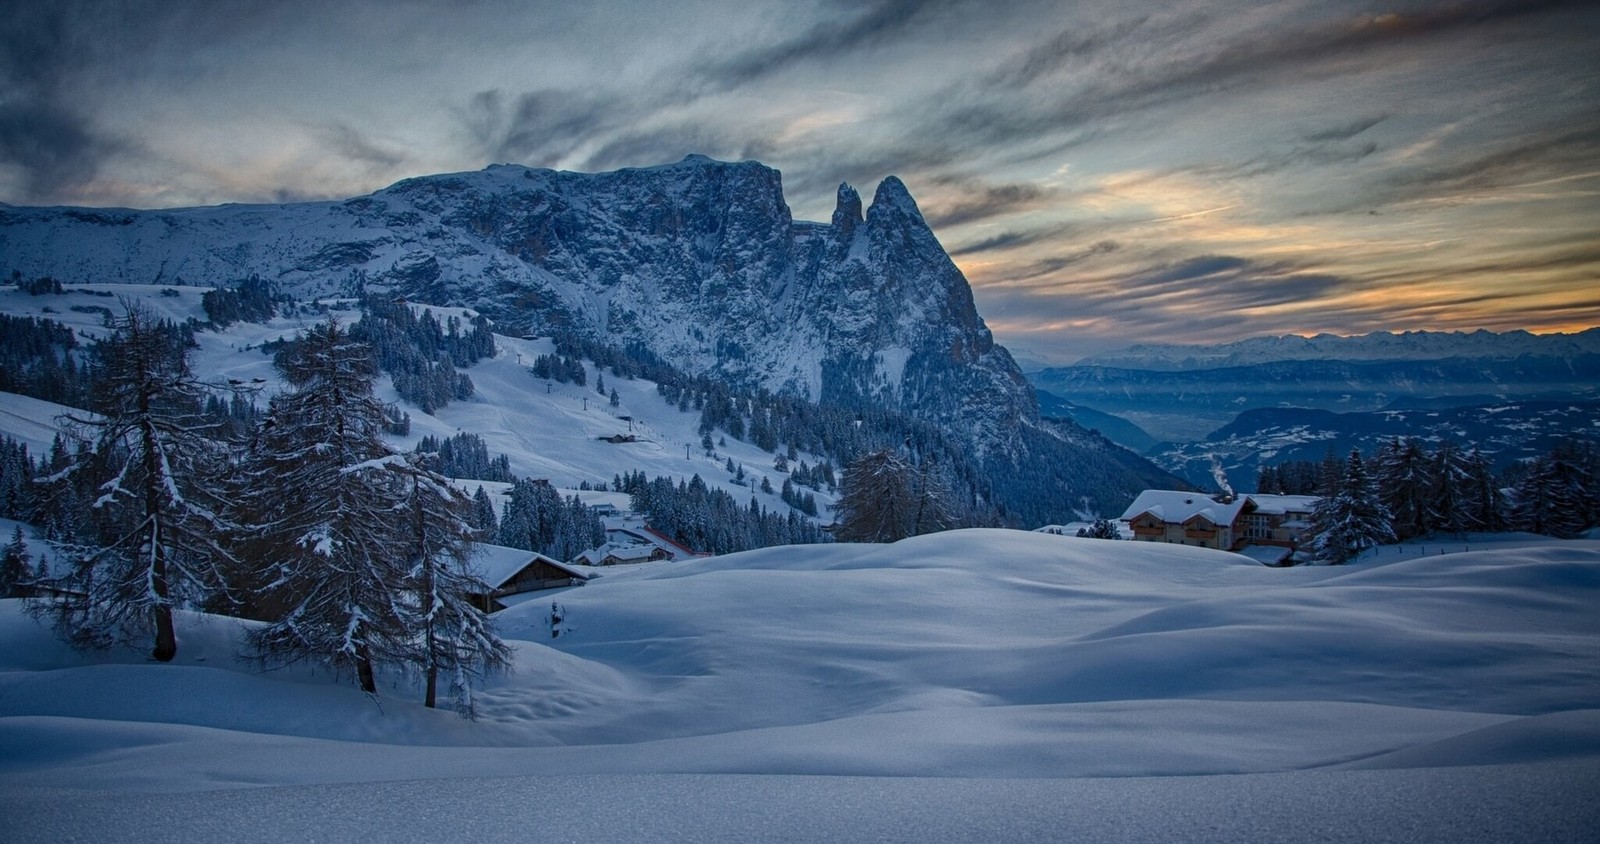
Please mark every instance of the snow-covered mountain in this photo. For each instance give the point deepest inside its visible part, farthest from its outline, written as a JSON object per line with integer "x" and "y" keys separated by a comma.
{"x": 1377, "y": 346}
{"x": 700, "y": 262}
{"x": 1184, "y": 405}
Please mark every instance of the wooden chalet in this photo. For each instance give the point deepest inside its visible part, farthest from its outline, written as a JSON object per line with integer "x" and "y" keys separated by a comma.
{"x": 1222, "y": 522}
{"x": 512, "y": 571}
{"x": 1187, "y": 518}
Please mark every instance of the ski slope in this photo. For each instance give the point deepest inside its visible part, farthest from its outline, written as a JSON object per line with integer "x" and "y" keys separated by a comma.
{"x": 548, "y": 430}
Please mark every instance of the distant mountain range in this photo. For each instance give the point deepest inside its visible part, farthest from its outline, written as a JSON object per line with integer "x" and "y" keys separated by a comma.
{"x": 1506, "y": 432}
{"x": 1174, "y": 398}
{"x": 1377, "y": 346}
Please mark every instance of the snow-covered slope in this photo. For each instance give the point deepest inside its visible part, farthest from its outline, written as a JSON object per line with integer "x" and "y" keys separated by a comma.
{"x": 547, "y": 429}
{"x": 971, "y": 654}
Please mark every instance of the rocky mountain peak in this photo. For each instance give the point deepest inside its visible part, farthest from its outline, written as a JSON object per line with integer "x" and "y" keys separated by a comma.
{"x": 892, "y": 199}
{"x": 847, "y": 213}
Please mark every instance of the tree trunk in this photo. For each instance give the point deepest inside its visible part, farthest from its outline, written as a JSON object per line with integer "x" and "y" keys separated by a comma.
{"x": 433, "y": 684}
{"x": 369, "y": 684}
{"x": 166, "y": 640}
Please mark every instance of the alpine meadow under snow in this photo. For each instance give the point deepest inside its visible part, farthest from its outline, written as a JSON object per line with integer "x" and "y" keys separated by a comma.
{"x": 975, "y": 685}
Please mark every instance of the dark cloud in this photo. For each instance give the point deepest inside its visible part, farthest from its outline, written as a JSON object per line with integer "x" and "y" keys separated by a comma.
{"x": 981, "y": 202}
{"x": 1343, "y": 132}
{"x": 671, "y": 143}
{"x": 1072, "y": 45}
{"x": 1056, "y": 263}
{"x": 982, "y": 117}
{"x": 1227, "y": 283}
{"x": 539, "y": 128}
{"x": 352, "y": 145}
{"x": 43, "y": 131}
{"x": 1014, "y": 239}
{"x": 827, "y": 39}
{"x": 1551, "y": 153}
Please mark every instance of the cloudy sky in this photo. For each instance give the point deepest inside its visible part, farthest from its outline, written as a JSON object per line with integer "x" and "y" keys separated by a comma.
{"x": 1104, "y": 171}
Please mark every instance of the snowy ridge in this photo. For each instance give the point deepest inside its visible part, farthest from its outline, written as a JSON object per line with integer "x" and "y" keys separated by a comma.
{"x": 1376, "y": 346}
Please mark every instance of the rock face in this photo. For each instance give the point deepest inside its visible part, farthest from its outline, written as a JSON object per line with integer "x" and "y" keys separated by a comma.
{"x": 700, "y": 262}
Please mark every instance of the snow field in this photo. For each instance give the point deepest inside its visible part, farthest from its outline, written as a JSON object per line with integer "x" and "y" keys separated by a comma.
{"x": 973, "y": 653}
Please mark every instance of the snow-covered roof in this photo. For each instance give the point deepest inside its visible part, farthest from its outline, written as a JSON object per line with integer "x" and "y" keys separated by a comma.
{"x": 1267, "y": 555}
{"x": 624, "y": 553}
{"x": 1176, "y": 507}
{"x": 1279, "y": 505}
{"x": 632, "y": 552}
{"x": 497, "y": 564}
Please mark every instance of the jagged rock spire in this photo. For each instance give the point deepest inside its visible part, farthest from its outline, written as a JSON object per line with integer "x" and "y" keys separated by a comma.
{"x": 893, "y": 198}
{"x": 847, "y": 214}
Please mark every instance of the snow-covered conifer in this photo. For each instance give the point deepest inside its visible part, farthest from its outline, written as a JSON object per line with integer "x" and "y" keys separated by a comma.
{"x": 1450, "y": 506}
{"x": 1403, "y": 476}
{"x": 14, "y": 572}
{"x": 1551, "y": 497}
{"x": 324, "y": 511}
{"x": 455, "y": 638}
{"x": 1352, "y": 519}
{"x": 1488, "y": 503}
{"x": 1100, "y": 529}
{"x": 158, "y": 544}
{"x": 483, "y": 517}
{"x": 884, "y": 498}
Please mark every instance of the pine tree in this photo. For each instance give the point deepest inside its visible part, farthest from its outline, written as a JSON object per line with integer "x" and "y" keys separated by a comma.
{"x": 14, "y": 573}
{"x": 1488, "y": 503}
{"x": 1101, "y": 529}
{"x": 483, "y": 518}
{"x": 159, "y": 543}
{"x": 324, "y": 509}
{"x": 933, "y": 512}
{"x": 1352, "y": 519}
{"x": 456, "y": 638}
{"x": 1404, "y": 480}
{"x": 1267, "y": 482}
{"x": 1450, "y": 504}
{"x": 1330, "y": 474}
{"x": 885, "y": 499}
{"x": 1551, "y": 498}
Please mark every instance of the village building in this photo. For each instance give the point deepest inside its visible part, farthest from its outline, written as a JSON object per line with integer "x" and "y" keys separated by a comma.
{"x": 1280, "y": 520}
{"x": 623, "y": 555}
{"x": 513, "y": 571}
{"x": 1225, "y": 523}
{"x": 1187, "y": 518}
